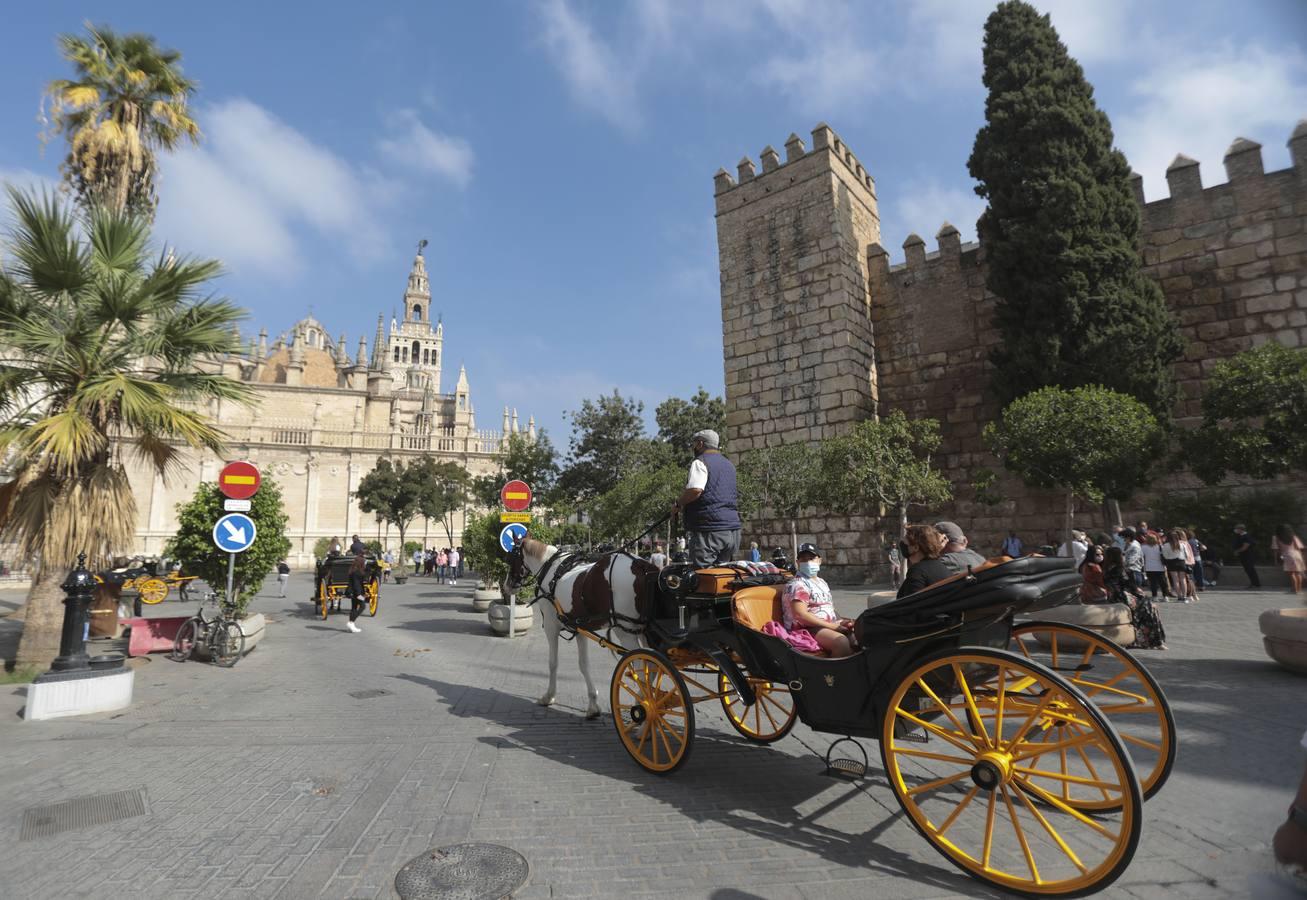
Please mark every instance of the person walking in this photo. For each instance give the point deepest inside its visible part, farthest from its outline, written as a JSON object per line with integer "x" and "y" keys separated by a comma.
{"x": 357, "y": 598}
{"x": 658, "y": 557}
{"x": 1077, "y": 549}
{"x": 417, "y": 561}
{"x": 1012, "y": 545}
{"x": 1290, "y": 550}
{"x": 1133, "y": 556}
{"x": 755, "y": 555}
{"x": 1199, "y": 548}
{"x": 442, "y": 566}
{"x": 459, "y": 573}
{"x": 1190, "y": 561}
{"x": 283, "y": 576}
{"x": 1154, "y": 568}
{"x": 710, "y": 503}
{"x": 455, "y": 560}
{"x": 1173, "y": 561}
{"x": 1245, "y": 549}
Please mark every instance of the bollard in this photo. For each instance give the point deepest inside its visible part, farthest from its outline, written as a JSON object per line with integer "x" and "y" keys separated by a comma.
{"x": 72, "y": 641}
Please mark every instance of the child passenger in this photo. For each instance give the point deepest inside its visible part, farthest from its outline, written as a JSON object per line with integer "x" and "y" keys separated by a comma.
{"x": 807, "y": 605}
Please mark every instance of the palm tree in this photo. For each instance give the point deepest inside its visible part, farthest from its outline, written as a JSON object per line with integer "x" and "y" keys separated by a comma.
{"x": 102, "y": 354}
{"x": 128, "y": 100}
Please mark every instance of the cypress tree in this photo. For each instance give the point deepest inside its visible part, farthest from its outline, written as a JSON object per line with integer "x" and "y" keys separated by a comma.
{"x": 1073, "y": 306}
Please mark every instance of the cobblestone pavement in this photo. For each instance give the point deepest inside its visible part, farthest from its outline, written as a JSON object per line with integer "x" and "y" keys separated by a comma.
{"x": 271, "y": 780}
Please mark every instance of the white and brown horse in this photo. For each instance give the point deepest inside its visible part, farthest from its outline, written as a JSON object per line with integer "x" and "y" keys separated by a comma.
{"x": 588, "y": 595}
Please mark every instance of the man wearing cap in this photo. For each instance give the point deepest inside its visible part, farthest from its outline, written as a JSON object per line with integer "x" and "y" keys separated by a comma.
{"x": 956, "y": 554}
{"x": 709, "y": 504}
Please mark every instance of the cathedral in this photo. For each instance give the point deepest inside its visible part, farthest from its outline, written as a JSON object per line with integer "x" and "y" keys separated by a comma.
{"x": 321, "y": 420}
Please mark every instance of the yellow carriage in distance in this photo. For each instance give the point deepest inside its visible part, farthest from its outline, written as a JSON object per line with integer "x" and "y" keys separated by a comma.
{"x": 332, "y": 583}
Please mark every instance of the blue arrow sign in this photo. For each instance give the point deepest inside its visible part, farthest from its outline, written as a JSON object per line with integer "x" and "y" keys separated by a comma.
{"x": 511, "y": 534}
{"x": 234, "y": 533}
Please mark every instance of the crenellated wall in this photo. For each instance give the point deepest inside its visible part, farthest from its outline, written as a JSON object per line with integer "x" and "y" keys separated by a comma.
{"x": 1231, "y": 259}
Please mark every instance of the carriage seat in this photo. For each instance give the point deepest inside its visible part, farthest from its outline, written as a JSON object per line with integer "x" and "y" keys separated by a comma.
{"x": 754, "y": 607}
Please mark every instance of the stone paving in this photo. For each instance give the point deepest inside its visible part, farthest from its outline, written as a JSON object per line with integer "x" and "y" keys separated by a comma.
{"x": 270, "y": 780}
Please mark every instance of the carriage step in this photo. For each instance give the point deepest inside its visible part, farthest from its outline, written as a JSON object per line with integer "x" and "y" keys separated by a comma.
{"x": 846, "y": 768}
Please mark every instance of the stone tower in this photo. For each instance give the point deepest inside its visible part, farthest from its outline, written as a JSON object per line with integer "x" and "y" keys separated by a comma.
{"x": 796, "y": 326}
{"x": 415, "y": 346}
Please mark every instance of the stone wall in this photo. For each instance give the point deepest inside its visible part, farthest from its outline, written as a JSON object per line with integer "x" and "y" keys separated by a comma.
{"x": 1231, "y": 259}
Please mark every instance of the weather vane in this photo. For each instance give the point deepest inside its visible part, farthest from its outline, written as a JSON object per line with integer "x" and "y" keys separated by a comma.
{"x": 422, "y": 243}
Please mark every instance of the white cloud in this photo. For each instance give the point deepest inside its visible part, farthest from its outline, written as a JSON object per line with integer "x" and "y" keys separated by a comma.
{"x": 1197, "y": 103}
{"x": 241, "y": 196}
{"x": 924, "y": 206}
{"x": 28, "y": 181}
{"x": 417, "y": 146}
{"x": 595, "y": 75}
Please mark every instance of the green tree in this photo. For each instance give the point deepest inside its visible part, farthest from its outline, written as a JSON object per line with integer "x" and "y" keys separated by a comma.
{"x": 885, "y": 463}
{"x": 481, "y": 551}
{"x": 1214, "y": 513}
{"x": 193, "y": 542}
{"x": 641, "y": 497}
{"x": 603, "y": 434}
{"x": 533, "y": 461}
{"x": 396, "y": 492}
{"x": 127, "y": 101}
{"x": 1061, "y": 228}
{"x": 1086, "y": 442}
{"x": 678, "y": 421}
{"x": 1254, "y": 416}
{"x": 102, "y": 351}
{"x": 445, "y": 491}
{"x": 784, "y": 479}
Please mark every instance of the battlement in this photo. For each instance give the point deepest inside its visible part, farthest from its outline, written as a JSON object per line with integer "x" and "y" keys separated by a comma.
{"x": 823, "y": 139}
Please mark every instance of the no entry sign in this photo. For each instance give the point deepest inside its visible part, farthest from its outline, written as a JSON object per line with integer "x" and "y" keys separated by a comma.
{"x": 516, "y": 496}
{"x": 239, "y": 480}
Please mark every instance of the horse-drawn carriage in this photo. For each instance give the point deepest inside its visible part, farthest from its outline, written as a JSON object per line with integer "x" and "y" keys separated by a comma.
{"x": 332, "y": 583}
{"x": 1008, "y": 744}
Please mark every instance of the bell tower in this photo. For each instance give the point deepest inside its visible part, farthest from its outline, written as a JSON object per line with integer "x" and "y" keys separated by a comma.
{"x": 415, "y": 343}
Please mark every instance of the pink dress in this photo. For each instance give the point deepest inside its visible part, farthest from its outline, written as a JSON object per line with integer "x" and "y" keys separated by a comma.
{"x": 1290, "y": 553}
{"x": 815, "y": 594}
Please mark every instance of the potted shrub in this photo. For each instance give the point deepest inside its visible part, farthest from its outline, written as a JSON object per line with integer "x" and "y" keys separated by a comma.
{"x": 481, "y": 555}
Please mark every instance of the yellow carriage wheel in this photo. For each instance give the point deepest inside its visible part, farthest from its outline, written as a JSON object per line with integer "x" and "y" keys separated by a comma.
{"x": 372, "y": 590}
{"x": 1122, "y": 689}
{"x": 771, "y": 716}
{"x": 323, "y": 599}
{"x": 152, "y": 590}
{"x": 652, "y": 711}
{"x": 964, "y": 742}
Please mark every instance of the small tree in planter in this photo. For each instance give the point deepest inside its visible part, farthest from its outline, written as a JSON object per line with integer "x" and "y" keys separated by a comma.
{"x": 193, "y": 542}
{"x": 396, "y": 493}
{"x": 482, "y": 554}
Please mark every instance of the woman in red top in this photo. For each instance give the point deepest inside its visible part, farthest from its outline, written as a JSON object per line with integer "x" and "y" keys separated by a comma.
{"x": 1093, "y": 589}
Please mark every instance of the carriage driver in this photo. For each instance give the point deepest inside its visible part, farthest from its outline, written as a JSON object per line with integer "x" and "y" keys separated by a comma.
{"x": 807, "y": 605}
{"x": 712, "y": 519}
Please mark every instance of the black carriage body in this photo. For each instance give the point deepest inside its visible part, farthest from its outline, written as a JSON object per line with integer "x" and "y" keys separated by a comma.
{"x": 334, "y": 570}
{"x": 849, "y": 695}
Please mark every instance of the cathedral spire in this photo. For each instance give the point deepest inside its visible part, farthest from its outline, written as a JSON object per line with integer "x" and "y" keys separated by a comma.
{"x": 379, "y": 355}
{"x": 362, "y": 359}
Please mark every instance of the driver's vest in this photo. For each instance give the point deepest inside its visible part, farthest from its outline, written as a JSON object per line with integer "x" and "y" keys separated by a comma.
{"x": 715, "y": 510}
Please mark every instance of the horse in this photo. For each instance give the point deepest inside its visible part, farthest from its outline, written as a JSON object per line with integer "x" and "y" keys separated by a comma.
{"x": 612, "y": 591}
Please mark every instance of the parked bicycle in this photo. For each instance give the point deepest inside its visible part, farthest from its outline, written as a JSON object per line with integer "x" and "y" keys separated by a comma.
{"x": 221, "y": 635}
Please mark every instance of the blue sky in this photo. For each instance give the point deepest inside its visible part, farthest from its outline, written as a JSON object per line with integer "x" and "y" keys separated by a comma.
{"x": 558, "y": 154}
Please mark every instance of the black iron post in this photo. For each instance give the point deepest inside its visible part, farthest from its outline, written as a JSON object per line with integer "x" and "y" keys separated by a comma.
{"x": 79, "y": 586}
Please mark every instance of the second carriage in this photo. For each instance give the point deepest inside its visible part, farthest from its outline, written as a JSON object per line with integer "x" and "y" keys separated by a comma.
{"x": 1022, "y": 751}
{"x": 332, "y": 583}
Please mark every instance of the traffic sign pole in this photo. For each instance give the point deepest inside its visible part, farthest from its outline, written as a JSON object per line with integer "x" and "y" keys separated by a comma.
{"x": 231, "y": 574}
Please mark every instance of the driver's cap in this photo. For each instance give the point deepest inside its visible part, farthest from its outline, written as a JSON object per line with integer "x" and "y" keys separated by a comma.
{"x": 809, "y": 548}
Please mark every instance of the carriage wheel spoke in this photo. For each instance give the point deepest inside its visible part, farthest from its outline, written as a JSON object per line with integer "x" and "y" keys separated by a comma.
{"x": 989, "y": 831}
{"x": 950, "y": 736}
{"x": 1069, "y": 779}
{"x": 770, "y": 718}
{"x": 1111, "y": 683}
{"x": 1021, "y": 834}
{"x": 1074, "y": 813}
{"x": 966, "y": 732}
{"x": 927, "y": 754}
{"x": 971, "y": 704}
{"x": 1000, "y": 700}
{"x": 1030, "y": 720}
{"x": 957, "y": 811}
{"x": 939, "y": 782}
{"x": 1140, "y": 742}
{"x": 1052, "y": 832}
{"x": 1036, "y": 749}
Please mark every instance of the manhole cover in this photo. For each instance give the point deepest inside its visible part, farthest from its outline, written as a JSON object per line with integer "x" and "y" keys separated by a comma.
{"x": 82, "y": 812}
{"x": 463, "y": 872}
{"x": 369, "y": 694}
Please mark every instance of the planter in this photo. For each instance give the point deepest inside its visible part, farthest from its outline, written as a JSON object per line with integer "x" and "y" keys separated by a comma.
{"x": 253, "y": 627}
{"x": 1284, "y": 635}
{"x": 401, "y": 579}
{"x": 1110, "y": 620}
{"x": 153, "y": 635}
{"x": 101, "y": 646}
{"x": 523, "y": 619}
{"x": 483, "y": 597}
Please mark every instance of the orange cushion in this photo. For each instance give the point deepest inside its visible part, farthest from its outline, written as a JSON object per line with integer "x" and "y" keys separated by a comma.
{"x": 754, "y": 607}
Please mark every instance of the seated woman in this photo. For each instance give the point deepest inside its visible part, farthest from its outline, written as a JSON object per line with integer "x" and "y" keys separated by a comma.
{"x": 1093, "y": 589}
{"x": 807, "y": 605}
{"x": 922, "y": 547}
{"x": 1121, "y": 586}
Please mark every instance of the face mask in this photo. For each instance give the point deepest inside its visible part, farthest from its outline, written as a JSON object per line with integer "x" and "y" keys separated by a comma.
{"x": 809, "y": 568}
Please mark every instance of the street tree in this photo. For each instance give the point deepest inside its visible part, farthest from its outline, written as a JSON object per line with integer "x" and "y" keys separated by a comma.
{"x": 395, "y": 492}
{"x": 783, "y": 479}
{"x": 534, "y": 461}
{"x": 193, "y": 542}
{"x": 885, "y": 463}
{"x": 603, "y": 433}
{"x": 1061, "y": 228}
{"x": 127, "y": 101}
{"x": 1087, "y": 442}
{"x": 445, "y": 491}
{"x": 1254, "y": 416}
{"x": 679, "y": 420}
{"x": 101, "y": 361}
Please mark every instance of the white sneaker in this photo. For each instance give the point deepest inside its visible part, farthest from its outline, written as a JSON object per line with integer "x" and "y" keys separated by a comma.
{"x": 352, "y": 627}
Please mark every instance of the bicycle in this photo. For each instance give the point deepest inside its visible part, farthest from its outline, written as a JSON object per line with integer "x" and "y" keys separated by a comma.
{"x": 222, "y": 636}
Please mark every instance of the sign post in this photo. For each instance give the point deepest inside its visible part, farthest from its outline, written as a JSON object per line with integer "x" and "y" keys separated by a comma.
{"x": 516, "y": 497}
{"x": 235, "y": 532}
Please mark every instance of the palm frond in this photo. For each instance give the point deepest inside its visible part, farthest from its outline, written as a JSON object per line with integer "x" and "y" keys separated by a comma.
{"x": 44, "y": 244}
{"x": 68, "y": 439}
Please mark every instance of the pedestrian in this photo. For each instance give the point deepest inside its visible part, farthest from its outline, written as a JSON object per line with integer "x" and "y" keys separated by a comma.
{"x": 1118, "y": 537}
{"x": 1012, "y": 545}
{"x": 1245, "y": 549}
{"x": 1190, "y": 560}
{"x": 1149, "y": 634}
{"x": 1079, "y": 546}
{"x": 922, "y": 547}
{"x": 710, "y": 503}
{"x": 957, "y": 555}
{"x": 658, "y": 557}
{"x": 459, "y": 569}
{"x": 896, "y": 565}
{"x": 357, "y": 546}
{"x": 1154, "y": 568}
{"x": 389, "y": 559}
{"x": 357, "y": 598}
{"x": 755, "y": 555}
{"x": 1093, "y": 589}
{"x": 455, "y": 560}
{"x": 333, "y": 547}
{"x": 283, "y": 576}
{"x": 417, "y": 561}
{"x": 1200, "y": 571}
{"x": 1133, "y": 555}
{"x": 1289, "y": 547}
{"x": 1173, "y": 561}
{"x": 442, "y": 565}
